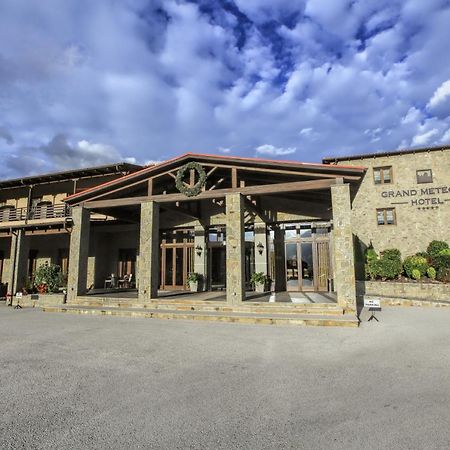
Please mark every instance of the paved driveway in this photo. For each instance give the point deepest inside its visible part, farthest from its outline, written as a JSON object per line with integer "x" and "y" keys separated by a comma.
{"x": 70, "y": 381}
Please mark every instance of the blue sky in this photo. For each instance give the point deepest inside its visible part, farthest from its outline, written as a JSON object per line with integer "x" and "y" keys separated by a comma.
{"x": 86, "y": 82}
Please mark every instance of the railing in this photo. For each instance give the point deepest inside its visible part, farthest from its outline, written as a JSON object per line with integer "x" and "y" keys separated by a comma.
{"x": 11, "y": 214}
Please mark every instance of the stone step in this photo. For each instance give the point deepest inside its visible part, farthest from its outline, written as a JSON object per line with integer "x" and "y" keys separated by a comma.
{"x": 216, "y": 316}
{"x": 278, "y": 308}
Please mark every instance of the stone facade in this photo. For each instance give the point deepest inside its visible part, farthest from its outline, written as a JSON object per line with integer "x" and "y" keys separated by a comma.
{"x": 148, "y": 280}
{"x": 79, "y": 253}
{"x": 235, "y": 248}
{"x": 342, "y": 239}
{"x": 422, "y": 209}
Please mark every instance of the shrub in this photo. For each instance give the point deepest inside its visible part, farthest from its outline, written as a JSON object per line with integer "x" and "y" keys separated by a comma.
{"x": 48, "y": 278}
{"x": 415, "y": 263}
{"x": 435, "y": 247}
{"x": 443, "y": 274}
{"x": 416, "y": 274}
{"x": 193, "y": 277}
{"x": 445, "y": 251}
{"x": 431, "y": 272}
{"x": 390, "y": 264}
{"x": 259, "y": 278}
{"x": 372, "y": 263}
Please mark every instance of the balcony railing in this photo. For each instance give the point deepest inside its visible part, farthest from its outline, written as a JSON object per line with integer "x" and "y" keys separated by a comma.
{"x": 41, "y": 212}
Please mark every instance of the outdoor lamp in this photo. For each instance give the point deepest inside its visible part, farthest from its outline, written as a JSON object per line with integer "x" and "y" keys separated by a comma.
{"x": 199, "y": 250}
{"x": 260, "y": 247}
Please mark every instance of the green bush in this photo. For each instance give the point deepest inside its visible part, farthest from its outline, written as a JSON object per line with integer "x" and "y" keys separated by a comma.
{"x": 48, "y": 275}
{"x": 431, "y": 273}
{"x": 372, "y": 263}
{"x": 435, "y": 247}
{"x": 415, "y": 263}
{"x": 445, "y": 251}
{"x": 390, "y": 264}
{"x": 443, "y": 274}
{"x": 416, "y": 274}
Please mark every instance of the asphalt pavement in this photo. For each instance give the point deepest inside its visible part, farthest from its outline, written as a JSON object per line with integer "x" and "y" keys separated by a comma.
{"x": 69, "y": 381}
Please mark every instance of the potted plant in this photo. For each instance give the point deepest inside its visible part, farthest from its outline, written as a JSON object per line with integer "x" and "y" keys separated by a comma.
{"x": 260, "y": 281}
{"x": 193, "y": 281}
{"x": 48, "y": 278}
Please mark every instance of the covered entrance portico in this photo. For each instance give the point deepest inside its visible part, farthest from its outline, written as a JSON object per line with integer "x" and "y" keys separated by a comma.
{"x": 224, "y": 219}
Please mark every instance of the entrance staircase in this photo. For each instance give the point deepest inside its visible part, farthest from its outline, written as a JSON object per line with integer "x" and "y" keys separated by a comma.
{"x": 218, "y": 311}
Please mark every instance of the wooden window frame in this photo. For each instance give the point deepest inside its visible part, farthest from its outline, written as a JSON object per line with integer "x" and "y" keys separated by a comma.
{"x": 384, "y": 210}
{"x": 381, "y": 169}
{"x": 424, "y": 182}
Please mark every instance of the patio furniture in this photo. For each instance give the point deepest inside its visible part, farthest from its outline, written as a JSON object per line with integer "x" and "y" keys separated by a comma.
{"x": 110, "y": 283}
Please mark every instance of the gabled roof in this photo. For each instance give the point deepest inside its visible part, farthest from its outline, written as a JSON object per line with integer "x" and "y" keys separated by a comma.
{"x": 406, "y": 151}
{"x": 168, "y": 165}
{"x": 120, "y": 167}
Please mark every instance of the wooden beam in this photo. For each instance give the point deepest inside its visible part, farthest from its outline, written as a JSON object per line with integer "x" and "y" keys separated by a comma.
{"x": 264, "y": 189}
{"x": 234, "y": 183}
{"x": 150, "y": 186}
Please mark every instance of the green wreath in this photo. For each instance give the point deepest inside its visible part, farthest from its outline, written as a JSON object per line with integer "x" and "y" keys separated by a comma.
{"x": 186, "y": 189}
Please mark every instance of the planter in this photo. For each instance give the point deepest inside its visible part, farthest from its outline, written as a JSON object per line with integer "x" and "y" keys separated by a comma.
{"x": 193, "y": 286}
{"x": 260, "y": 287}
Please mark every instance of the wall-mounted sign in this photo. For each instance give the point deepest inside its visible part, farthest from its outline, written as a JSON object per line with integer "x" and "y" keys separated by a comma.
{"x": 424, "y": 176}
{"x": 425, "y": 198}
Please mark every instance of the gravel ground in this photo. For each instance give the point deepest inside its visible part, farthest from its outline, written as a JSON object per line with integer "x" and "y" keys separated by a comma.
{"x": 71, "y": 381}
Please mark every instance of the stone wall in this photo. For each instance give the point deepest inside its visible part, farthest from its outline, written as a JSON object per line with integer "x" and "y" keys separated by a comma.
{"x": 416, "y": 226}
{"x": 406, "y": 291}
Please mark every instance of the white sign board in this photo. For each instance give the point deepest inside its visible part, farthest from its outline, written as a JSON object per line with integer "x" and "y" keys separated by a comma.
{"x": 372, "y": 303}
{"x": 19, "y": 294}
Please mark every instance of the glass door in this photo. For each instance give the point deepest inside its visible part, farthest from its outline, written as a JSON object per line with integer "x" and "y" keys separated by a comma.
{"x": 292, "y": 276}
{"x": 307, "y": 258}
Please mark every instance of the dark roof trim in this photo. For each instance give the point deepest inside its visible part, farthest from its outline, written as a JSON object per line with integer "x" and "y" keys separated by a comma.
{"x": 331, "y": 159}
{"x": 147, "y": 172}
{"x": 87, "y": 172}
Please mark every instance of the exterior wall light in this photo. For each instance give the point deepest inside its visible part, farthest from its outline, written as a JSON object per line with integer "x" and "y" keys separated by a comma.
{"x": 260, "y": 247}
{"x": 198, "y": 250}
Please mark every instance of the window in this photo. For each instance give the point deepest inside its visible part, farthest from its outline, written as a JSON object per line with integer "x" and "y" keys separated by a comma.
{"x": 382, "y": 175}
{"x": 386, "y": 216}
{"x": 424, "y": 176}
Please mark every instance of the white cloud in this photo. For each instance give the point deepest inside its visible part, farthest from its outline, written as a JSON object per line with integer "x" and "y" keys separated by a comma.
{"x": 424, "y": 138}
{"x": 412, "y": 116}
{"x": 268, "y": 149}
{"x": 152, "y": 80}
{"x": 441, "y": 96}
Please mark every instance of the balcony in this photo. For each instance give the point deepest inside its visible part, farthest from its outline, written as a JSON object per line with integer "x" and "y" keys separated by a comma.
{"x": 45, "y": 213}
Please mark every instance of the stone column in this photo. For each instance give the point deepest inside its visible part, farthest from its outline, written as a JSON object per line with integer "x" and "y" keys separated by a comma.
{"x": 18, "y": 261}
{"x": 148, "y": 276}
{"x": 200, "y": 260}
{"x": 261, "y": 258}
{"x": 78, "y": 253}
{"x": 235, "y": 248}
{"x": 344, "y": 266}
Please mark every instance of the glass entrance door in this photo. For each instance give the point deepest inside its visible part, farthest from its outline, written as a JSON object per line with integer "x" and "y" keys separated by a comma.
{"x": 176, "y": 262}
{"x": 217, "y": 267}
{"x": 307, "y": 259}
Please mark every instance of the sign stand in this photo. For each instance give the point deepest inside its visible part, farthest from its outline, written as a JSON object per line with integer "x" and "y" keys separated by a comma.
{"x": 374, "y": 305}
{"x": 18, "y": 296}
{"x": 372, "y": 310}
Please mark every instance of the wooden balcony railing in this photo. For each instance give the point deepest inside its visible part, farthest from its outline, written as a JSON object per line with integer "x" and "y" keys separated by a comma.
{"x": 11, "y": 214}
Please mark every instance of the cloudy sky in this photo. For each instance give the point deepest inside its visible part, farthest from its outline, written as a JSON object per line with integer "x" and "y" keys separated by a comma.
{"x": 86, "y": 82}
